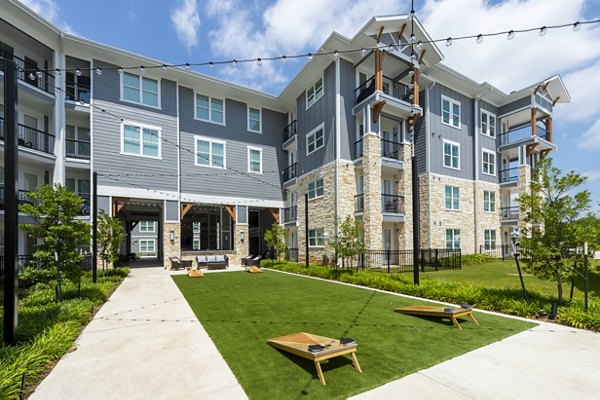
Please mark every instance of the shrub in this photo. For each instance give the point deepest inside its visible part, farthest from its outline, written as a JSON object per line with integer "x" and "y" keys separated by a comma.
{"x": 474, "y": 259}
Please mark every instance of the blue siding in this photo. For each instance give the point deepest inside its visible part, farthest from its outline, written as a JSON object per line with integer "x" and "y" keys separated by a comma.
{"x": 515, "y": 105}
{"x": 348, "y": 99}
{"x": 488, "y": 143}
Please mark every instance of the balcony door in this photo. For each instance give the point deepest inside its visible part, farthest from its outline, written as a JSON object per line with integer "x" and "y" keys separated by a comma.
{"x": 387, "y": 196}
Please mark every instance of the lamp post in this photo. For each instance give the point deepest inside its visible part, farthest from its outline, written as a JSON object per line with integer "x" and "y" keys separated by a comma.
{"x": 516, "y": 250}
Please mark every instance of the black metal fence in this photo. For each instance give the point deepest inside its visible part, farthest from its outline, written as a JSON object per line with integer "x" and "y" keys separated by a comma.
{"x": 504, "y": 251}
{"x": 26, "y": 261}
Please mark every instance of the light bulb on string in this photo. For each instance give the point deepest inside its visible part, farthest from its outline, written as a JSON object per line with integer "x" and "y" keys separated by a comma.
{"x": 142, "y": 69}
{"x": 98, "y": 71}
{"x": 259, "y": 62}
{"x": 120, "y": 69}
{"x": 543, "y": 31}
{"x": 235, "y": 62}
{"x": 576, "y": 26}
{"x": 78, "y": 72}
{"x": 31, "y": 76}
{"x": 187, "y": 66}
{"x": 479, "y": 38}
{"x": 211, "y": 65}
{"x": 164, "y": 68}
{"x": 309, "y": 56}
{"x": 283, "y": 59}
{"x": 510, "y": 35}
{"x": 38, "y": 73}
{"x": 336, "y": 54}
{"x": 449, "y": 42}
{"x": 363, "y": 52}
{"x": 57, "y": 71}
{"x": 419, "y": 45}
{"x": 412, "y": 39}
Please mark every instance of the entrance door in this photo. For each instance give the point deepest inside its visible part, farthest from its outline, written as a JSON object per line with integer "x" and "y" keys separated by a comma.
{"x": 387, "y": 243}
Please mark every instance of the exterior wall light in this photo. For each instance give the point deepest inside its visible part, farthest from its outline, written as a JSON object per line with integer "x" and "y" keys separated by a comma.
{"x": 172, "y": 236}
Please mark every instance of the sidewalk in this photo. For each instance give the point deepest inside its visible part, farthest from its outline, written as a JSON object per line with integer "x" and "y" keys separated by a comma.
{"x": 145, "y": 343}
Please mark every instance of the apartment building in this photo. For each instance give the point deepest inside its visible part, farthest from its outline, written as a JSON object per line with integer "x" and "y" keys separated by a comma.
{"x": 213, "y": 165}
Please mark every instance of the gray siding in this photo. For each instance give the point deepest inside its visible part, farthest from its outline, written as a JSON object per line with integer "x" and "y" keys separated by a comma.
{"x": 515, "y": 105}
{"x": 171, "y": 210}
{"x": 104, "y": 204}
{"x": 108, "y": 87}
{"x": 235, "y": 180}
{"x": 420, "y": 138}
{"x": 486, "y": 142}
{"x": 106, "y": 136}
{"x": 348, "y": 99}
{"x": 322, "y": 111}
{"x": 440, "y": 131}
{"x": 242, "y": 214}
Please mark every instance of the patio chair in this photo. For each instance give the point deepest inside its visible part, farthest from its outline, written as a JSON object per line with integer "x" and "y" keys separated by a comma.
{"x": 245, "y": 259}
{"x": 254, "y": 261}
{"x": 177, "y": 263}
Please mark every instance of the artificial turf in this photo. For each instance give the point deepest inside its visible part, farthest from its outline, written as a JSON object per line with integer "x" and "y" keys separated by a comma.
{"x": 240, "y": 311}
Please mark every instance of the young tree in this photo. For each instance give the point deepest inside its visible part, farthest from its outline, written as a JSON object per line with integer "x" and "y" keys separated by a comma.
{"x": 54, "y": 211}
{"x": 110, "y": 235}
{"x": 552, "y": 233}
{"x": 275, "y": 239}
{"x": 349, "y": 241}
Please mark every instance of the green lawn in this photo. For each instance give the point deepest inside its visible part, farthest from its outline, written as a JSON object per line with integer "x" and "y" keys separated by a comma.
{"x": 504, "y": 274}
{"x": 240, "y": 311}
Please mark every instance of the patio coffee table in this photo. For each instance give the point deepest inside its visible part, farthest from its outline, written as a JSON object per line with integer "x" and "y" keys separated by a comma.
{"x": 442, "y": 312}
{"x": 297, "y": 343}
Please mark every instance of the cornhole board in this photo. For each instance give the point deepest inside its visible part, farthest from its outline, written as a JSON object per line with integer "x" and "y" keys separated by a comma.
{"x": 195, "y": 273}
{"x": 431, "y": 311}
{"x": 254, "y": 270}
{"x": 297, "y": 343}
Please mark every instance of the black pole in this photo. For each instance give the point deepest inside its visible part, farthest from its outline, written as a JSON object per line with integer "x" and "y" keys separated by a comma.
{"x": 521, "y": 276}
{"x": 11, "y": 210}
{"x": 95, "y": 229}
{"x": 416, "y": 224}
{"x": 585, "y": 278}
{"x": 306, "y": 224}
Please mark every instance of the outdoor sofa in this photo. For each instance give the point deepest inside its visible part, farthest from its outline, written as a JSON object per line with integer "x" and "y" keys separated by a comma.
{"x": 177, "y": 263}
{"x": 219, "y": 261}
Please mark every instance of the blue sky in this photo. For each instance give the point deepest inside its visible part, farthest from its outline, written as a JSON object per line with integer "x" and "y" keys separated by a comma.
{"x": 179, "y": 31}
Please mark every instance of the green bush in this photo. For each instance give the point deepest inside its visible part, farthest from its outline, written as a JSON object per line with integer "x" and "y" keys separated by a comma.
{"x": 473, "y": 259}
{"x": 47, "y": 329}
{"x": 504, "y": 300}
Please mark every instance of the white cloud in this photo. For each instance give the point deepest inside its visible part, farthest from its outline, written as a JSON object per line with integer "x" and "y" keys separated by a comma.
{"x": 186, "y": 21}
{"x": 511, "y": 64}
{"x": 592, "y": 175}
{"x": 45, "y": 8}
{"x": 590, "y": 139}
{"x": 583, "y": 85}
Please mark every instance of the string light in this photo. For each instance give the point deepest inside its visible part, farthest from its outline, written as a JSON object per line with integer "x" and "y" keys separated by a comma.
{"x": 309, "y": 56}
{"x": 412, "y": 39}
{"x": 259, "y": 62}
{"x": 31, "y": 76}
{"x": 164, "y": 68}
{"x": 142, "y": 70}
{"x": 283, "y": 59}
{"x": 98, "y": 71}
{"x": 120, "y": 71}
{"x": 211, "y": 65}
{"x": 78, "y": 72}
{"x": 543, "y": 30}
{"x": 576, "y": 26}
{"x": 336, "y": 54}
{"x": 419, "y": 45}
{"x": 510, "y": 35}
{"x": 38, "y": 74}
{"x": 449, "y": 42}
{"x": 479, "y": 38}
{"x": 187, "y": 66}
{"x": 363, "y": 52}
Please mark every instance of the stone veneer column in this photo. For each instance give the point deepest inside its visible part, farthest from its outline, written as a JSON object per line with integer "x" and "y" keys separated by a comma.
{"x": 523, "y": 187}
{"x": 404, "y": 188}
{"x": 242, "y": 249}
{"x": 372, "y": 219}
{"x": 171, "y": 248}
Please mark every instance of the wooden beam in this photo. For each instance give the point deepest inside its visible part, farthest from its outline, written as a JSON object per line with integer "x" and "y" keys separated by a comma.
{"x": 275, "y": 214}
{"x": 231, "y": 212}
{"x": 379, "y": 34}
{"x": 548, "y": 123}
{"x": 421, "y": 56}
{"x": 533, "y": 122}
{"x": 401, "y": 33}
{"x": 529, "y": 148}
{"x": 416, "y": 86}
{"x": 544, "y": 153}
{"x": 555, "y": 100}
{"x": 185, "y": 208}
{"x": 377, "y": 110}
{"x": 378, "y": 70}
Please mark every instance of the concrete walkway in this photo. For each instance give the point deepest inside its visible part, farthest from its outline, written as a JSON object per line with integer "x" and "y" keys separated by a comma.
{"x": 145, "y": 343}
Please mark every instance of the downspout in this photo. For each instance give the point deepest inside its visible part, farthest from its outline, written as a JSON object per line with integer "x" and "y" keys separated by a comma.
{"x": 428, "y": 156}
{"x": 338, "y": 129}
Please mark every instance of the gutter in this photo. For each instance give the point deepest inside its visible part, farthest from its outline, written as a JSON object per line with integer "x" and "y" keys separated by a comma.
{"x": 428, "y": 155}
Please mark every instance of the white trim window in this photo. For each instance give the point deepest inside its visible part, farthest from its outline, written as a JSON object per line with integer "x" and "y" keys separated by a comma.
{"x": 314, "y": 93}
{"x": 315, "y": 189}
{"x": 488, "y": 124}
{"x": 450, "y": 112}
{"x": 451, "y": 154}
{"x": 452, "y": 197}
{"x": 489, "y": 239}
{"x": 140, "y": 140}
{"x": 488, "y": 162}
{"x": 316, "y": 237}
{"x": 209, "y": 152}
{"x": 453, "y": 239}
{"x": 315, "y": 139}
{"x": 489, "y": 201}
{"x": 254, "y": 119}
{"x": 147, "y": 226}
{"x": 147, "y": 246}
{"x": 255, "y": 160}
{"x": 209, "y": 109}
{"x": 139, "y": 89}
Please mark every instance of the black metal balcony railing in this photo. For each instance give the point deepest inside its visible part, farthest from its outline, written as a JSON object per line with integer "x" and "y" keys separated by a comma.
{"x": 392, "y": 204}
{"x": 290, "y": 172}
{"x": 22, "y": 197}
{"x": 39, "y": 79}
{"x": 509, "y": 213}
{"x": 32, "y": 138}
{"x": 290, "y": 214}
{"x": 359, "y": 202}
{"x": 509, "y": 175}
{"x": 289, "y": 131}
{"x": 390, "y": 149}
{"x": 77, "y": 92}
{"x": 520, "y": 133}
{"x": 77, "y": 149}
{"x": 398, "y": 90}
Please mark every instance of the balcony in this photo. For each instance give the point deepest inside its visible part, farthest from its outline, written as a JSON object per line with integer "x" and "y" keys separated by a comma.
{"x": 77, "y": 92}
{"x": 359, "y": 203}
{"x": 390, "y": 204}
{"x": 509, "y": 213}
{"x": 30, "y": 75}
{"x": 389, "y": 150}
{"x": 289, "y": 134}
{"x": 290, "y": 214}
{"x": 521, "y": 134}
{"x": 290, "y": 172}
{"x": 399, "y": 91}
{"x": 77, "y": 149}
{"x": 32, "y": 138}
{"x": 509, "y": 175}
{"x": 22, "y": 197}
